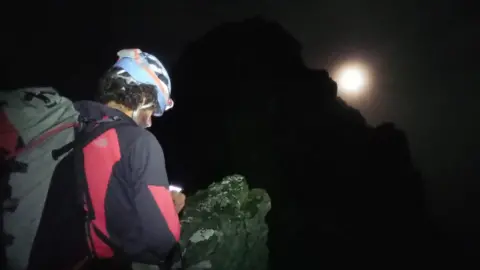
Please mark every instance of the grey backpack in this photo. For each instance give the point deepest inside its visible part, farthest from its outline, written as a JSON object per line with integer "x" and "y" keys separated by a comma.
{"x": 35, "y": 124}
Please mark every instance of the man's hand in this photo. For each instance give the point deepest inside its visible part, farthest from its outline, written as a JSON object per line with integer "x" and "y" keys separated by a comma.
{"x": 178, "y": 200}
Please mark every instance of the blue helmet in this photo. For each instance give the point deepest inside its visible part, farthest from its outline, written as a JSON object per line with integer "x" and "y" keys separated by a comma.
{"x": 137, "y": 67}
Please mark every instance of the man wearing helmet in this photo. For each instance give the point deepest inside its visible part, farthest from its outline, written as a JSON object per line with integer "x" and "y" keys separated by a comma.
{"x": 135, "y": 67}
{"x": 135, "y": 216}
{"x": 139, "y": 86}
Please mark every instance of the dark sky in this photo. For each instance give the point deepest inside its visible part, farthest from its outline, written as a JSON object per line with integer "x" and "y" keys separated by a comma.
{"x": 421, "y": 55}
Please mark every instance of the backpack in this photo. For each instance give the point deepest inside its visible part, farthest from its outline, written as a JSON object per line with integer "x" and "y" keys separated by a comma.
{"x": 38, "y": 128}
{"x": 33, "y": 121}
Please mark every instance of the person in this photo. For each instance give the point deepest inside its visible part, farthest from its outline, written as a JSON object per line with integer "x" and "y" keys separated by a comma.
{"x": 156, "y": 225}
{"x": 131, "y": 216}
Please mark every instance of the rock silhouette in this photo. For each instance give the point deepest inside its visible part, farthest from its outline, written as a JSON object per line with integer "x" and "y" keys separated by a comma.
{"x": 341, "y": 190}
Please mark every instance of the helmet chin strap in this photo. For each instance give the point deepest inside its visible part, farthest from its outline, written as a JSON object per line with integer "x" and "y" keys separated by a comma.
{"x": 136, "y": 116}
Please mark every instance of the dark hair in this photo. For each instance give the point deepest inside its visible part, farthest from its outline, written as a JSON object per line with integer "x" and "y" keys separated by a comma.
{"x": 116, "y": 89}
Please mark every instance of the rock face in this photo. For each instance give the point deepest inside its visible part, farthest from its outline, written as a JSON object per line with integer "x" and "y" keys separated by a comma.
{"x": 349, "y": 187}
{"x": 223, "y": 227}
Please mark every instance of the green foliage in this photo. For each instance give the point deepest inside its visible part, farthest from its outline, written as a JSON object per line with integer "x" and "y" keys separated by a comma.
{"x": 223, "y": 227}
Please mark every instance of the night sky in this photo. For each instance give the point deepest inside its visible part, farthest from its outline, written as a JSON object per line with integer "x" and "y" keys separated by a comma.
{"x": 420, "y": 54}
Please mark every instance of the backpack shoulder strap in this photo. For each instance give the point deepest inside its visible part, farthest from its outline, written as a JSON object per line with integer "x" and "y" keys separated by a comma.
{"x": 92, "y": 129}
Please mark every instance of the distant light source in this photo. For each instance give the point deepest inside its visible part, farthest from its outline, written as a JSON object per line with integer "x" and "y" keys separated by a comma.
{"x": 352, "y": 79}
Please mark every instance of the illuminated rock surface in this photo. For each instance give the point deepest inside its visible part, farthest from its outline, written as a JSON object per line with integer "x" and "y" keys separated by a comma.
{"x": 223, "y": 227}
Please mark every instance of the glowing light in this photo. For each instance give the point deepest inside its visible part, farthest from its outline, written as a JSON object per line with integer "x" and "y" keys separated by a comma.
{"x": 175, "y": 188}
{"x": 352, "y": 80}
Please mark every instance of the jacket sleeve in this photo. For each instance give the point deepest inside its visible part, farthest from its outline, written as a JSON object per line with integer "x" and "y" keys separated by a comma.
{"x": 159, "y": 220}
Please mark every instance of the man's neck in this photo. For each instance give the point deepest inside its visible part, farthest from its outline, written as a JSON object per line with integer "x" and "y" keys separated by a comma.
{"x": 120, "y": 107}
